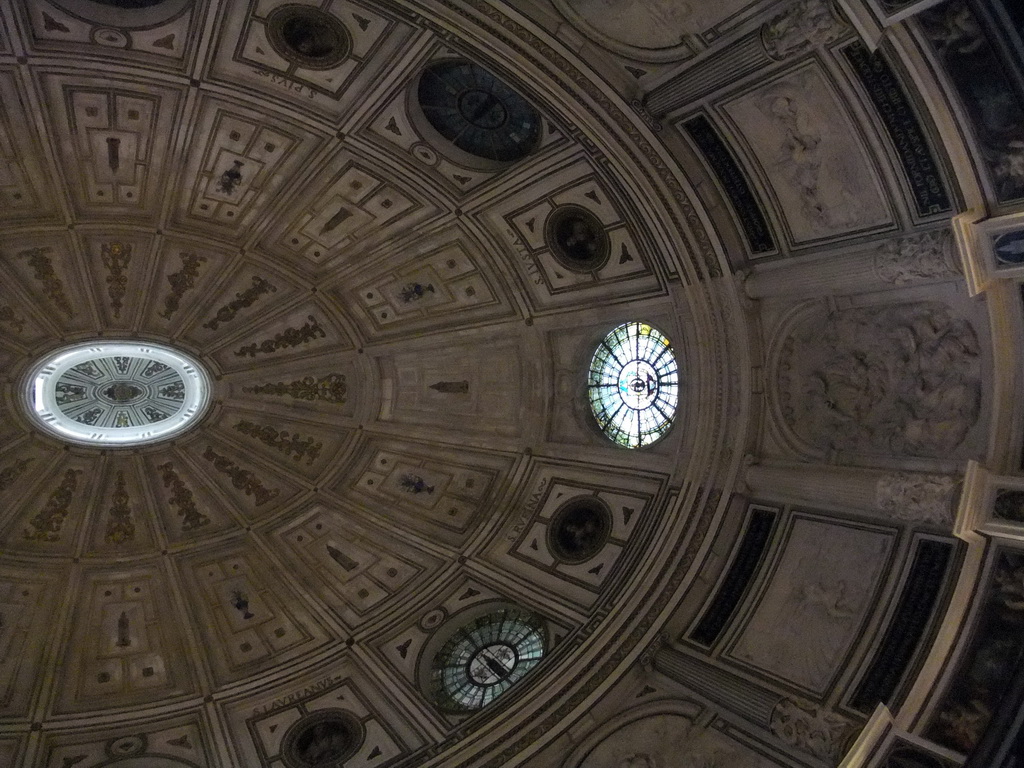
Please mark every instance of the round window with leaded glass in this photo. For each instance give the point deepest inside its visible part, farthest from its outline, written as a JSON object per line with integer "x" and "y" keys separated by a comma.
{"x": 633, "y": 385}
{"x": 484, "y": 657}
{"x": 117, "y": 393}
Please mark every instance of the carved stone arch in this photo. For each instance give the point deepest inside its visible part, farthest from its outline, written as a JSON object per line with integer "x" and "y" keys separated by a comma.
{"x": 684, "y": 710}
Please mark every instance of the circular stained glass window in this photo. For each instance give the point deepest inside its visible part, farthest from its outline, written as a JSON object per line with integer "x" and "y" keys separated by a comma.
{"x": 484, "y": 658}
{"x": 477, "y": 112}
{"x": 634, "y": 385}
{"x": 117, "y": 393}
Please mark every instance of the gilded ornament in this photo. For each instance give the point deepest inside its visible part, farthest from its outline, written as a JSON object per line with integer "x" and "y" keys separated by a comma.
{"x": 42, "y": 266}
{"x": 242, "y": 300}
{"x": 120, "y": 528}
{"x": 329, "y": 389}
{"x": 290, "y": 337}
{"x": 242, "y": 479}
{"x": 11, "y": 473}
{"x": 181, "y": 282}
{"x": 181, "y": 497}
{"x": 116, "y": 257}
{"x": 47, "y": 524}
{"x": 283, "y": 441}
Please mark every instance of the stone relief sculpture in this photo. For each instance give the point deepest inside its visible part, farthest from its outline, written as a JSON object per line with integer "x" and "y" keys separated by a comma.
{"x": 925, "y": 256}
{"x": 817, "y": 167}
{"x": 666, "y": 740}
{"x": 812, "y": 729}
{"x": 899, "y": 379}
{"x": 806, "y": 24}
{"x": 800, "y": 158}
{"x": 917, "y": 498}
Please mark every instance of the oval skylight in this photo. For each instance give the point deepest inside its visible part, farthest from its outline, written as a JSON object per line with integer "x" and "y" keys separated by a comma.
{"x": 633, "y": 385}
{"x": 117, "y": 393}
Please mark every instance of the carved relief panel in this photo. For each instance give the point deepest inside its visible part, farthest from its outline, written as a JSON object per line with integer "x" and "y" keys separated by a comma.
{"x": 440, "y": 492}
{"x": 803, "y": 149}
{"x": 121, "y": 520}
{"x": 338, "y": 712}
{"x": 811, "y": 609}
{"x": 347, "y": 203}
{"x": 247, "y": 293}
{"x": 310, "y": 329}
{"x": 894, "y": 379}
{"x": 186, "y": 275}
{"x": 113, "y": 142}
{"x": 246, "y": 614}
{"x": 254, "y": 488}
{"x": 567, "y": 233}
{"x": 236, "y": 161}
{"x": 353, "y": 568}
{"x": 570, "y": 532}
{"x": 125, "y": 646}
{"x": 322, "y": 59}
{"x": 442, "y": 282}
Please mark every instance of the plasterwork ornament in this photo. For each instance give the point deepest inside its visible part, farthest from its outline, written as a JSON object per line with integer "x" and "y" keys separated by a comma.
{"x": 917, "y": 498}
{"x": 902, "y": 379}
{"x": 925, "y": 256}
{"x": 812, "y": 729}
{"x": 803, "y": 26}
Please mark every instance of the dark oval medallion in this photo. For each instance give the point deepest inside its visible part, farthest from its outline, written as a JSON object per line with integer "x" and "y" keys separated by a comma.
{"x": 579, "y": 529}
{"x": 307, "y": 36}
{"x": 322, "y": 739}
{"x": 577, "y": 239}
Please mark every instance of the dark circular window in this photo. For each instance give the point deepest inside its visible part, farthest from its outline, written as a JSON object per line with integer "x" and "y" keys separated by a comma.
{"x": 579, "y": 529}
{"x": 323, "y": 739}
{"x": 477, "y": 112}
{"x": 307, "y": 36}
{"x": 577, "y": 239}
{"x": 484, "y": 657}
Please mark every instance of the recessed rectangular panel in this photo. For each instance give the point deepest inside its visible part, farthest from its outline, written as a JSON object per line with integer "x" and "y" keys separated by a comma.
{"x": 818, "y": 596}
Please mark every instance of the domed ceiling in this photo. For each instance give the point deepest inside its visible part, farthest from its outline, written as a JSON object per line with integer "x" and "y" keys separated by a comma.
{"x": 388, "y": 238}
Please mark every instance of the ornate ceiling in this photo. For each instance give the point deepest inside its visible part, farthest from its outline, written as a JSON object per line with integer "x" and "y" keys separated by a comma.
{"x": 398, "y": 330}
